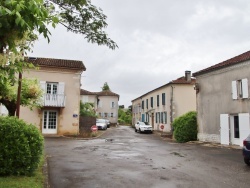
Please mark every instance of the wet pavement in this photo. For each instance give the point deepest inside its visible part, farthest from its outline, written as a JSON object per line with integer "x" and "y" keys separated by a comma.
{"x": 123, "y": 158}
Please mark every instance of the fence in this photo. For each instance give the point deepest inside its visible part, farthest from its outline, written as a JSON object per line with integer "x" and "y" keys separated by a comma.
{"x": 85, "y": 123}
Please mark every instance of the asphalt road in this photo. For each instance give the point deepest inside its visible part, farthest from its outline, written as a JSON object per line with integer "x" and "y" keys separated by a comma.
{"x": 121, "y": 158}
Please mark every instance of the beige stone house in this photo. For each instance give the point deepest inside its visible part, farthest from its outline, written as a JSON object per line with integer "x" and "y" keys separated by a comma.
{"x": 60, "y": 80}
{"x": 163, "y": 104}
{"x": 105, "y": 103}
{"x": 223, "y": 104}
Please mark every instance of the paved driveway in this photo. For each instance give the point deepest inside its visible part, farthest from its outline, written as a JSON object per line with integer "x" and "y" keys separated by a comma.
{"x": 122, "y": 158}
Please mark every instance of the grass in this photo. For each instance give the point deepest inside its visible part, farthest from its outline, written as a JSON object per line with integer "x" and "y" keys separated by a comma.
{"x": 35, "y": 181}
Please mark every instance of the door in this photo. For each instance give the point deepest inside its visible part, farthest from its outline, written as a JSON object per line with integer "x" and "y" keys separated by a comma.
{"x": 224, "y": 129}
{"x": 152, "y": 120}
{"x": 244, "y": 129}
{"x": 234, "y": 130}
{"x": 49, "y": 122}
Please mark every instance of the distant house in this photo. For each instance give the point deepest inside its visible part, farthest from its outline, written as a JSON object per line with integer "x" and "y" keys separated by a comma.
{"x": 163, "y": 104}
{"x": 223, "y": 103}
{"x": 105, "y": 103}
{"x": 60, "y": 80}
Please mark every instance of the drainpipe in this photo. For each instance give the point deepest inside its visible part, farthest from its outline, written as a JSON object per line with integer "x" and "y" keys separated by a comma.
{"x": 171, "y": 108}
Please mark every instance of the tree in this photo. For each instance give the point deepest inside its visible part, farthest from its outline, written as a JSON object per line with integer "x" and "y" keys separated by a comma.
{"x": 87, "y": 109}
{"x": 21, "y": 21}
{"x": 105, "y": 87}
{"x": 31, "y": 94}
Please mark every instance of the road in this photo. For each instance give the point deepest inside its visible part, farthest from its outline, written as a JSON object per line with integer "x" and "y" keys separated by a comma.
{"x": 121, "y": 158}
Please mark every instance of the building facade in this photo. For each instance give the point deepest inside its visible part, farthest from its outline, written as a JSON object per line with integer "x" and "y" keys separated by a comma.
{"x": 223, "y": 104}
{"x": 162, "y": 105}
{"x": 105, "y": 104}
{"x": 60, "y": 80}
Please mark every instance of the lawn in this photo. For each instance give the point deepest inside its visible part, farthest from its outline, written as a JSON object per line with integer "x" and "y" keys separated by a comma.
{"x": 35, "y": 181}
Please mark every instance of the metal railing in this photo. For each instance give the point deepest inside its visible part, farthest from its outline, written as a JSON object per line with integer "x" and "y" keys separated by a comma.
{"x": 55, "y": 100}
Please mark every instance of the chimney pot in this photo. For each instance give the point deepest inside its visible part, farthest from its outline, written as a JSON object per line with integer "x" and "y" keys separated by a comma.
{"x": 188, "y": 76}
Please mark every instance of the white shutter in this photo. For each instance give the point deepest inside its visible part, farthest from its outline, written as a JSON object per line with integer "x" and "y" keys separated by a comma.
{"x": 114, "y": 114}
{"x": 244, "y": 127}
{"x": 234, "y": 89}
{"x": 43, "y": 86}
{"x": 245, "y": 88}
{"x": 224, "y": 129}
{"x": 61, "y": 86}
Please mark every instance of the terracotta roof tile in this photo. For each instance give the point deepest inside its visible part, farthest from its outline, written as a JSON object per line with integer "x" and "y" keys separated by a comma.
{"x": 101, "y": 93}
{"x": 235, "y": 60}
{"x": 60, "y": 63}
{"x": 183, "y": 80}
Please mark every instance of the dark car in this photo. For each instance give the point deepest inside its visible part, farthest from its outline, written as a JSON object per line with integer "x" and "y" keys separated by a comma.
{"x": 246, "y": 150}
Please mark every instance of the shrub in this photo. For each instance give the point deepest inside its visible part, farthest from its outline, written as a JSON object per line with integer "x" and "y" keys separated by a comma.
{"x": 21, "y": 147}
{"x": 185, "y": 127}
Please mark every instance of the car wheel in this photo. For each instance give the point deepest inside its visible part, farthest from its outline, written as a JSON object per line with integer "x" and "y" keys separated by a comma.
{"x": 139, "y": 130}
{"x": 247, "y": 161}
{"x": 135, "y": 130}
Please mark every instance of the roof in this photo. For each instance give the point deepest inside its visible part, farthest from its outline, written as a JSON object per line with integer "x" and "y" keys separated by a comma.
{"x": 58, "y": 63}
{"x": 181, "y": 80}
{"x": 102, "y": 93}
{"x": 230, "y": 62}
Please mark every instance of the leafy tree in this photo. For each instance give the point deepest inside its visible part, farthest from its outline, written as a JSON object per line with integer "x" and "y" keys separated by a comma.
{"x": 124, "y": 116}
{"x": 31, "y": 94}
{"x": 105, "y": 87}
{"x": 87, "y": 109}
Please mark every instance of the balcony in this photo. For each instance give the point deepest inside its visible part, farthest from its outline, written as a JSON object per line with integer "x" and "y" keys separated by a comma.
{"x": 54, "y": 100}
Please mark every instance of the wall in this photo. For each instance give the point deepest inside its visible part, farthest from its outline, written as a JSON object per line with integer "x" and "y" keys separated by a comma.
{"x": 215, "y": 98}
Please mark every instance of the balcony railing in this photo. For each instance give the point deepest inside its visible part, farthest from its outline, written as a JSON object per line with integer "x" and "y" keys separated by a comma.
{"x": 54, "y": 100}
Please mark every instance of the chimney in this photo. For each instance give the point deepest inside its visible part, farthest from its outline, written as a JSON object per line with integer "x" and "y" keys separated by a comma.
{"x": 188, "y": 76}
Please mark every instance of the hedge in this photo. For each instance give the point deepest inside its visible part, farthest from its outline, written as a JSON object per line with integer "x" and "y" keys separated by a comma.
{"x": 21, "y": 147}
{"x": 185, "y": 127}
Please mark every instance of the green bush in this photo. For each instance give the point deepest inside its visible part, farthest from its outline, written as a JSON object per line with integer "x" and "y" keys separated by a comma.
{"x": 185, "y": 127}
{"x": 21, "y": 147}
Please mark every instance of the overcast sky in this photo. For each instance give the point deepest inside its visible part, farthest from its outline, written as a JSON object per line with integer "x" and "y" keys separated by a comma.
{"x": 158, "y": 41}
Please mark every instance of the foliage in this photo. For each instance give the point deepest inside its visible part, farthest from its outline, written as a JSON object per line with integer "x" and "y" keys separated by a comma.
{"x": 31, "y": 94}
{"x": 105, "y": 87}
{"x": 80, "y": 16}
{"x": 124, "y": 116}
{"x": 185, "y": 127}
{"x": 87, "y": 109}
{"x": 21, "y": 147}
{"x": 34, "y": 181}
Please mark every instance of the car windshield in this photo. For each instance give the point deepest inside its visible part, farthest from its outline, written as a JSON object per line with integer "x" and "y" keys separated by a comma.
{"x": 141, "y": 123}
{"x": 146, "y": 123}
{"x": 100, "y": 121}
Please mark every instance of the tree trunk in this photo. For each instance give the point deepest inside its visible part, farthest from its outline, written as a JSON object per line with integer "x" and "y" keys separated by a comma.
{"x": 10, "y": 105}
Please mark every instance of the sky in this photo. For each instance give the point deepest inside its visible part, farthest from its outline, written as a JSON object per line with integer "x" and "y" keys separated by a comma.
{"x": 158, "y": 41}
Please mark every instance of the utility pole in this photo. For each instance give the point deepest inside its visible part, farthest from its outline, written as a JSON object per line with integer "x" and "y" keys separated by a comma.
{"x": 19, "y": 95}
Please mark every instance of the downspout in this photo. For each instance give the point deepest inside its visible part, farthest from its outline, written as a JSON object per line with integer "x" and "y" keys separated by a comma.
{"x": 171, "y": 109}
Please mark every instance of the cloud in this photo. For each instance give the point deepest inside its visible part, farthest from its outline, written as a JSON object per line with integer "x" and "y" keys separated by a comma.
{"x": 158, "y": 41}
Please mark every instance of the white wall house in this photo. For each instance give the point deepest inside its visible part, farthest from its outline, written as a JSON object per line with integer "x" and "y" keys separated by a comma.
{"x": 223, "y": 103}
{"x": 3, "y": 110}
{"x": 163, "y": 104}
{"x": 105, "y": 103}
{"x": 60, "y": 80}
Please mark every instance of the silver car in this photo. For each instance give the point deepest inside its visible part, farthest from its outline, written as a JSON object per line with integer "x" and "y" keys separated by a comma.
{"x": 101, "y": 124}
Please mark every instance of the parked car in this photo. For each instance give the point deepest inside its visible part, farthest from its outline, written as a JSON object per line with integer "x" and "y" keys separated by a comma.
{"x": 101, "y": 124}
{"x": 143, "y": 127}
{"x": 246, "y": 150}
{"x": 108, "y": 123}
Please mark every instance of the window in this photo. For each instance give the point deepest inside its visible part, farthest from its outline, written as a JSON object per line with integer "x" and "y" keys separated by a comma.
{"x": 161, "y": 117}
{"x": 112, "y": 104}
{"x": 158, "y": 100}
{"x": 147, "y": 103}
{"x": 105, "y": 114}
{"x": 236, "y": 127}
{"x": 240, "y": 89}
{"x": 112, "y": 115}
{"x": 163, "y": 99}
{"x": 152, "y": 102}
{"x": 142, "y": 105}
{"x": 165, "y": 117}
